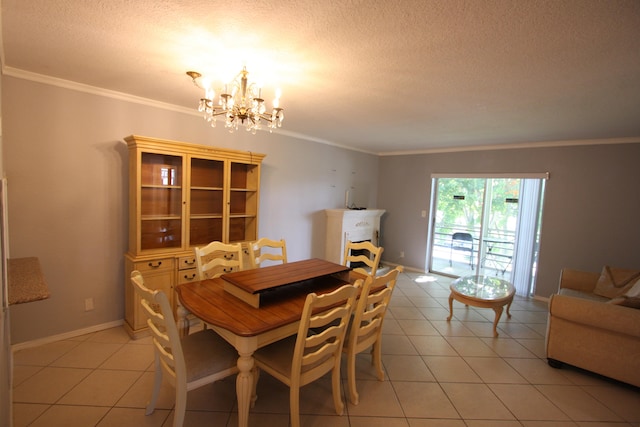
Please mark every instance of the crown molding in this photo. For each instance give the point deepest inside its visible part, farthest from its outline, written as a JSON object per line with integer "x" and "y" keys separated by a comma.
{"x": 518, "y": 145}
{"x": 121, "y": 96}
{"x": 71, "y": 85}
{"x": 80, "y": 87}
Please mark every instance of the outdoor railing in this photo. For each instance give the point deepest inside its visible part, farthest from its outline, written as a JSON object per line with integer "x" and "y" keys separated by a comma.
{"x": 498, "y": 244}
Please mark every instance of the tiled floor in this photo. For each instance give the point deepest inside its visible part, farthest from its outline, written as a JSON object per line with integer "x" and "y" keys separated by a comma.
{"x": 439, "y": 374}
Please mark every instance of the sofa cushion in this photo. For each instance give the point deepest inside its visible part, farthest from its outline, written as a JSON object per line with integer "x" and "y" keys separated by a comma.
{"x": 615, "y": 282}
{"x": 583, "y": 295}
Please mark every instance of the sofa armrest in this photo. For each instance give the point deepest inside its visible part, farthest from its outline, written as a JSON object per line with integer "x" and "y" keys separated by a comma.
{"x": 584, "y": 281}
{"x": 622, "y": 320}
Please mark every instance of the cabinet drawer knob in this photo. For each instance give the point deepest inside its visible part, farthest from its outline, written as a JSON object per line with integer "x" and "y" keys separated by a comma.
{"x": 189, "y": 262}
{"x": 155, "y": 265}
{"x": 190, "y": 277}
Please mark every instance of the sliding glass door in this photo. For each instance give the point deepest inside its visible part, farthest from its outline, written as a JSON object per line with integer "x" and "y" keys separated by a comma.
{"x": 486, "y": 225}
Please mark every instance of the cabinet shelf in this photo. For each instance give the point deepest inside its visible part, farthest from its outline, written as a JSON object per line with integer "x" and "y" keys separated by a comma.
{"x": 159, "y": 217}
{"x": 161, "y": 187}
{"x": 208, "y": 188}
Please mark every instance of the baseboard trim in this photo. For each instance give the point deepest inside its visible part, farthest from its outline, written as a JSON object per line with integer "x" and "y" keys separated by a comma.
{"x": 406, "y": 268}
{"x": 66, "y": 335}
{"x": 540, "y": 298}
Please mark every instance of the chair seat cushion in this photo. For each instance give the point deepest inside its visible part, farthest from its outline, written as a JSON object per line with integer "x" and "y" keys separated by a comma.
{"x": 278, "y": 356}
{"x": 206, "y": 353}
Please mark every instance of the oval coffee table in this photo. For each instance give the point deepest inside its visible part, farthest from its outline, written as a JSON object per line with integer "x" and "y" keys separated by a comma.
{"x": 484, "y": 292}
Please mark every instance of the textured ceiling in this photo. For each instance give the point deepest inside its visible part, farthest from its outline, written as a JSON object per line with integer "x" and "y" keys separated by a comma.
{"x": 379, "y": 76}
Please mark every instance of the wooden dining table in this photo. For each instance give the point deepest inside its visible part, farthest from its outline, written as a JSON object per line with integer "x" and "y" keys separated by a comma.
{"x": 248, "y": 328}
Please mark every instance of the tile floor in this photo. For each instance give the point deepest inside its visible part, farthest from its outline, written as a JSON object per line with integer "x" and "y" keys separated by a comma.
{"x": 439, "y": 374}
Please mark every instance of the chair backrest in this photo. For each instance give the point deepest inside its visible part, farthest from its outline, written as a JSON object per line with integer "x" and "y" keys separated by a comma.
{"x": 363, "y": 252}
{"x": 328, "y": 315}
{"x": 462, "y": 240}
{"x": 366, "y": 325}
{"x": 218, "y": 258}
{"x": 162, "y": 325}
{"x": 264, "y": 249}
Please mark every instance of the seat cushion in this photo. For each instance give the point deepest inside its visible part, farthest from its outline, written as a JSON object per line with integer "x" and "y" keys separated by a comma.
{"x": 278, "y": 356}
{"x": 206, "y": 353}
{"x": 584, "y": 295}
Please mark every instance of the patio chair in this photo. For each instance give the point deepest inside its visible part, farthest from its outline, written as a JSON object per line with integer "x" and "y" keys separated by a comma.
{"x": 461, "y": 242}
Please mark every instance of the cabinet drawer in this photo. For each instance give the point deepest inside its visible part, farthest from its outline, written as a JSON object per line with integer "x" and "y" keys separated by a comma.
{"x": 186, "y": 262}
{"x": 154, "y": 265}
{"x": 187, "y": 275}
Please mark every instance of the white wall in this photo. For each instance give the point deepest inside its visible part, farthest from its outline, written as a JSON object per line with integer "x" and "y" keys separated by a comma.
{"x": 66, "y": 165}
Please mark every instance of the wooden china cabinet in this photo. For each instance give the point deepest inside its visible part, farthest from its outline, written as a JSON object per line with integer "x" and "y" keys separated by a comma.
{"x": 181, "y": 196}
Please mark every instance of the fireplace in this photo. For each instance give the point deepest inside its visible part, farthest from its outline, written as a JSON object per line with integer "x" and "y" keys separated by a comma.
{"x": 348, "y": 224}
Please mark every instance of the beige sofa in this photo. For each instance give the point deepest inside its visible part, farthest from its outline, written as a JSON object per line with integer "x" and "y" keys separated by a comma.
{"x": 590, "y": 331}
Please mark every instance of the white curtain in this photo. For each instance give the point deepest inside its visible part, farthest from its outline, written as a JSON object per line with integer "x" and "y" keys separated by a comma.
{"x": 525, "y": 256}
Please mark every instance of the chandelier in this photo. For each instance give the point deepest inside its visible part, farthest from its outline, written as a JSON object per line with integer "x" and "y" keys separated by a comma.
{"x": 239, "y": 103}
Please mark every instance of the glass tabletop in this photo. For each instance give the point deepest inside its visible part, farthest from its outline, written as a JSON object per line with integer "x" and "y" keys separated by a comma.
{"x": 486, "y": 288}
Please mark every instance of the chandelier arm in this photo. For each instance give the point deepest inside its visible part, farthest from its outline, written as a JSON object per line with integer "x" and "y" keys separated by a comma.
{"x": 218, "y": 113}
{"x": 265, "y": 117}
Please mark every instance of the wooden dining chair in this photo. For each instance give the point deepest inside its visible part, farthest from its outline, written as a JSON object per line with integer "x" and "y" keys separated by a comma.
{"x": 189, "y": 362}
{"x": 365, "y": 330}
{"x": 305, "y": 357}
{"x": 218, "y": 258}
{"x": 362, "y": 256}
{"x": 271, "y": 251}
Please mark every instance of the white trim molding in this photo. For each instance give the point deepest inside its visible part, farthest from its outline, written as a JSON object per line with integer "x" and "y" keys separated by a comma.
{"x": 66, "y": 335}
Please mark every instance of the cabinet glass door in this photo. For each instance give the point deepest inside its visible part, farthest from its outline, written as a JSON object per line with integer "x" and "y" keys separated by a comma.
{"x": 206, "y": 201}
{"x": 243, "y": 202}
{"x": 161, "y": 201}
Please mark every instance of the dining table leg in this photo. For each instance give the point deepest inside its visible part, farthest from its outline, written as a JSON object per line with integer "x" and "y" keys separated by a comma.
{"x": 182, "y": 322}
{"x": 245, "y": 379}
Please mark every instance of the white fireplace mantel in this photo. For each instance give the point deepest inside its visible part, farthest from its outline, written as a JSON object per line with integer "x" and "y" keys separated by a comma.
{"x": 350, "y": 224}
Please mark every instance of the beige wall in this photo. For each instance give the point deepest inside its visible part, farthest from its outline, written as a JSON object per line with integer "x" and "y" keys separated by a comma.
{"x": 67, "y": 169}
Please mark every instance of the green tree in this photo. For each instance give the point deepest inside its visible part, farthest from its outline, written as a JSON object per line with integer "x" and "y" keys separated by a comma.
{"x": 460, "y": 205}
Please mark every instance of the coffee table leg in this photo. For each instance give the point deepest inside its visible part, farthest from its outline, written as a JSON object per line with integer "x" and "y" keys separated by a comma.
{"x": 508, "y": 307}
{"x": 498, "y": 311}
{"x": 450, "y": 307}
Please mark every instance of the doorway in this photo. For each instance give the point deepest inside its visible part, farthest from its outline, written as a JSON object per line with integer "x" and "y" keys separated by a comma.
{"x": 488, "y": 225}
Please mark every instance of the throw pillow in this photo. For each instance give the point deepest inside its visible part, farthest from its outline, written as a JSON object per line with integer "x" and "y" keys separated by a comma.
{"x": 634, "y": 291}
{"x": 614, "y": 282}
{"x": 633, "y": 302}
